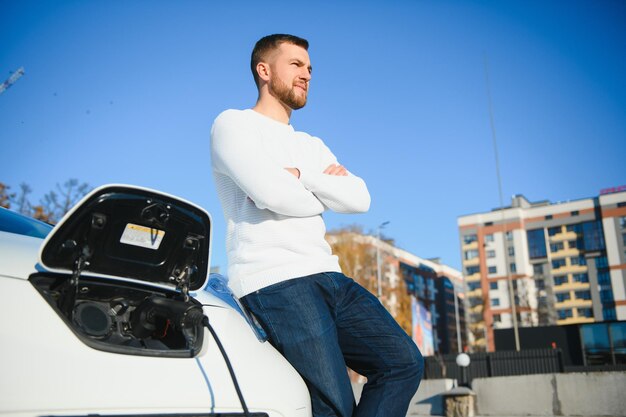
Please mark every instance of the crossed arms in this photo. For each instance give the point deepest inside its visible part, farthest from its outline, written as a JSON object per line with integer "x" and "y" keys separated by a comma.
{"x": 308, "y": 190}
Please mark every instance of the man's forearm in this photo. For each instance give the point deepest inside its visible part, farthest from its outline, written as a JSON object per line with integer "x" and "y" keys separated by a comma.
{"x": 336, "y": 189}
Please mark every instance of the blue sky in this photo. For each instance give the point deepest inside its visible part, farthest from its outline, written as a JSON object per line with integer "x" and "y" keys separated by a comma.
{"x": 126, "y": 92}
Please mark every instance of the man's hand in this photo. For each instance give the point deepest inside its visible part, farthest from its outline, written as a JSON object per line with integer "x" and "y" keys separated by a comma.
{"x": 338, "y": 170}
{"x": 294, "y": 171}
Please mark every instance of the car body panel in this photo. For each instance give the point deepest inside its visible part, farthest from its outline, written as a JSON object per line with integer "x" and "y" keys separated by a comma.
{"x": 18, "y": 255}
{"x": 48, "y": 370}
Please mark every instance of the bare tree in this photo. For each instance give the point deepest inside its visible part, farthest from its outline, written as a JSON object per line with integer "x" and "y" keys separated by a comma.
{"x": 23, "y": 205}
{"x": 56, "y": 203}
{"x": 53, "y": 205}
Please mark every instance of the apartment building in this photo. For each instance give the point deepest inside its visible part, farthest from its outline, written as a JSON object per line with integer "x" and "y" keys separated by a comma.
{"x": 560, "y": 263}
{"x": 419, "y": 293}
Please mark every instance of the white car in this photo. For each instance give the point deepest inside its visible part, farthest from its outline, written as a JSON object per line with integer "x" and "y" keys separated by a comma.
{"x": 113, "y": 312}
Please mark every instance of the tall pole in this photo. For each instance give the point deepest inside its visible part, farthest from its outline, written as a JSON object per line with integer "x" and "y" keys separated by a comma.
{"x": 506, "y": 263}
{"x": 456, "y": 317}
{"x": 378, "y": 275}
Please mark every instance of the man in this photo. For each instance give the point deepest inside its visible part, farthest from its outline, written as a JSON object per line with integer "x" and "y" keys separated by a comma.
{"x": 274, "y": 184}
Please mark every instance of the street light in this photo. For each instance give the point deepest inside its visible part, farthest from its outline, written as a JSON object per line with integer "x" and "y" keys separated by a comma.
{"x": 380, "y": 226}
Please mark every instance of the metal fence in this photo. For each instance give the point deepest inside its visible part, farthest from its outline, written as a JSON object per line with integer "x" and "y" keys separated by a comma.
{"x": 503, "y": 363}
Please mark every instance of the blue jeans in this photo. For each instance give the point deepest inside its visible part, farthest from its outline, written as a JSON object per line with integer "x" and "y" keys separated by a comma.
{"x": 324, "y": 322}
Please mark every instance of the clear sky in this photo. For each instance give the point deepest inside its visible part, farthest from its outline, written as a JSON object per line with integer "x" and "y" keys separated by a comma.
{"x": 126, "y": 92}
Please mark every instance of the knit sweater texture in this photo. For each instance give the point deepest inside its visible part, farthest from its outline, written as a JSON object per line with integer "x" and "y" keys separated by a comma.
{"x": 274, "y": 226}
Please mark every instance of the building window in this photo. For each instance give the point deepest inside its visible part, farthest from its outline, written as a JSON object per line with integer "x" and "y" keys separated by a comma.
{"x": 493, "y": 285}
{"x": 540, "y": 284}
{"x": 604, "y": 278}
{"x": 602, "y": 262}
{"x": 577, "y": 228}
{"x": 471, "y": 270}
{"x": 581, "y": 278}
{"x": 489, "y": 238}
{"x": 549, "y": 217}
{"x": 554, "y": 230}
{"x": 572, "y": 244}
{"x": 491, "y": 254}
{"x": 471, "y": 254}
{"x": 474, "y": 285}
{"x": 511, "y": 251}
{"x": 606, "y": 294}
{"x": 580, "y": 260}
{"x": 558, "y": 263}
{"x": 467, "y": 239}
{"x": 555, "y": 247}
{"x": 536, "y": 244}
{"x": 609, "y": 313}
{"x": 593, "y": 236}
{"x": 560, "y": 279}
{"x": 585, "y": 312}
{"x": 564, "y": 314}
{"x": 495, "y": 302}
{"x": 622, "y": 222}
{"x": 492, "y": 270}
{"x": 489, "y": 224}
{"x": 583, "y": 295}
{"x": 538, "y": 269}
{"x": 562, "y": 296}
{"x": 497, "y": 318}
{"x": 575, "y": 213}
{"x": 624, "y": 239}
{"x": 513, "y": 267}
{"x": 509, "y": 235}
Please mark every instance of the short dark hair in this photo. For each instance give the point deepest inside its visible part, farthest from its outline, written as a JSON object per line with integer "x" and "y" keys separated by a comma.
{"x": 269, "y": 43}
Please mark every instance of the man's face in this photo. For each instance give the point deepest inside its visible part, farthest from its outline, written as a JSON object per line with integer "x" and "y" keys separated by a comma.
{"x": 290, "y": 73}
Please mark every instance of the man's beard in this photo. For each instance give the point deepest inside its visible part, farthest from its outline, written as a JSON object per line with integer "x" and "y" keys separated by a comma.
{"x": 287, "y": 95}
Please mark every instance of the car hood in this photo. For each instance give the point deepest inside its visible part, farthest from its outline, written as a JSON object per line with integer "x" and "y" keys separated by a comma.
{"x": 134, "y": 233}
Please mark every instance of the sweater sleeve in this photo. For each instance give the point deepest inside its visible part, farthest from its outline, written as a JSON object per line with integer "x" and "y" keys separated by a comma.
{"x": 342, "y": 194}
{"x": 237, "y": 152}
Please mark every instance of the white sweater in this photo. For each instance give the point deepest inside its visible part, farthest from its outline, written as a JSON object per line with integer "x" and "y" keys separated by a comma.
{"x": 275, "y": 229}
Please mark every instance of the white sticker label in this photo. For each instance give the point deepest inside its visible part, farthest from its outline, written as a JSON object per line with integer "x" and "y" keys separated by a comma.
{"x": 145, "y": 237}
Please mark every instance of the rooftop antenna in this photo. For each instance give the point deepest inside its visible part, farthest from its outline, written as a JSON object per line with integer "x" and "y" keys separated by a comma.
{"x": 11, "y": 80}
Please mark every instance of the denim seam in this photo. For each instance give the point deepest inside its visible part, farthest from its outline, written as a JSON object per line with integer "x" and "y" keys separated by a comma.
{"x": 268, "y": 320}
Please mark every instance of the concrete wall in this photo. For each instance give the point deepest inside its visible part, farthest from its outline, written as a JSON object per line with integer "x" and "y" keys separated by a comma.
{"x": 575, "y": 394}
{"x": 427, "y": 401}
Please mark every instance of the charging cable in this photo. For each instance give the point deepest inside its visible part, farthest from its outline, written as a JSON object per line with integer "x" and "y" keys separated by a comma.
{"x": 205, "y": 322}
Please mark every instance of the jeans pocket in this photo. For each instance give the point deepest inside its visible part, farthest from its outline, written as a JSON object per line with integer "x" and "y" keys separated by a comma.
{"x": 270, "y": 289}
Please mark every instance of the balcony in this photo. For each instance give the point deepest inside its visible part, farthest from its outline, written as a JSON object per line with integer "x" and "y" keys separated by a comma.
{"x": 471, "y": 245}
{"x": 572, "y": 285}
{"x": 475, "y": 293}
{"x": 476, "y": 309}
{"x": 559, "y": 237}
{"x": 564, "y": 253}
{"x": 473, "y": 277}
{"x": 474, "y": 301}
{"x": 476, "y": 318}
{"x": 574, "y": 320}
{"x": 471, "y": 262}
{"x": 573, "y": 302}
{"x": 574, "y": 269}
